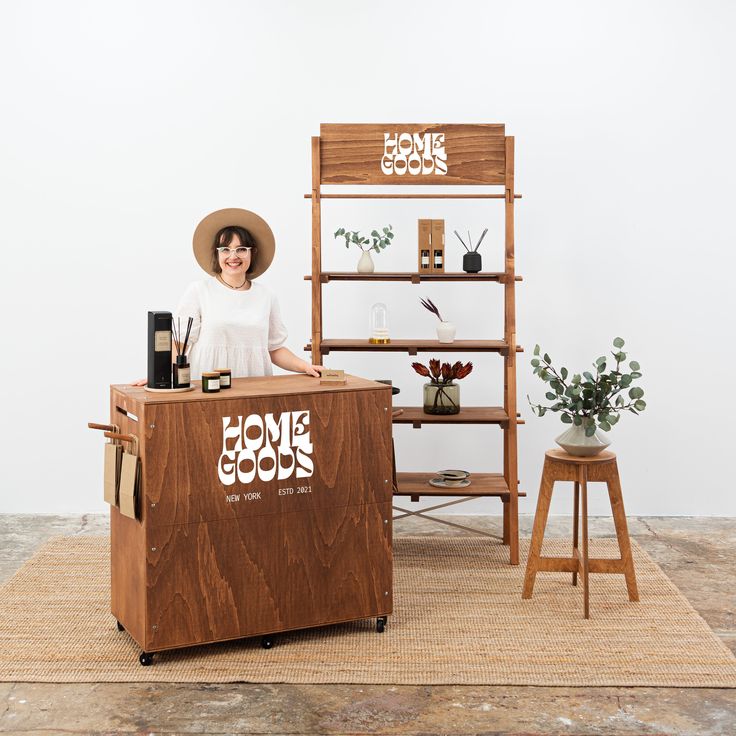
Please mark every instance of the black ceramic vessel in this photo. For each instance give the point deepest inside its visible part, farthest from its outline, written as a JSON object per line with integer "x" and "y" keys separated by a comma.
{"x": 472, "y": 262}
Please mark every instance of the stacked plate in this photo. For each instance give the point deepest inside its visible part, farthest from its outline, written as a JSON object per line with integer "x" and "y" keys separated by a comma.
{"x": 451, "y": 479}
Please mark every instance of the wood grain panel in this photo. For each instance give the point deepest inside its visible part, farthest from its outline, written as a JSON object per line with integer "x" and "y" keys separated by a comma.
{"x": 127, "y": 545}
{"x": 249, "y": 576}
{"x": 350, "y": 432}
{"x": 352, "y": 154}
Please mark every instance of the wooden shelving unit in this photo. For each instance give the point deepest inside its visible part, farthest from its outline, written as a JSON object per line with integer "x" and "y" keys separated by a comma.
{"x": 474, "y": 155}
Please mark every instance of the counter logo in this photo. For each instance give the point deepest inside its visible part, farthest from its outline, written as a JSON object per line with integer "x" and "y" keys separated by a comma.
{"x": 265, "y": 447}
{"x": 415, "y": 153}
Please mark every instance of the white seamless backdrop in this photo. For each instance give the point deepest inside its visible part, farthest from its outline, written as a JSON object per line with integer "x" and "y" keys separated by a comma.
{"x": 123, "y": 123}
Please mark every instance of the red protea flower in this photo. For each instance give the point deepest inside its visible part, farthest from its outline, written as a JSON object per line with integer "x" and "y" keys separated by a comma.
{"x": 422, "y": 370}
{"x": 434, "y": 367}
{"x": 446, "y": 372}
{"x": 464, "y": 370}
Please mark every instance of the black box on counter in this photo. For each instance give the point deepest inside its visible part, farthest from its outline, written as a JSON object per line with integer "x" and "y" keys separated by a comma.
{"x": 159, "y": 349}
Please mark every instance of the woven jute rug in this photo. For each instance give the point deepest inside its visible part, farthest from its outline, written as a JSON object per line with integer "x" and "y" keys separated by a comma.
{"x": 458, "y": 619}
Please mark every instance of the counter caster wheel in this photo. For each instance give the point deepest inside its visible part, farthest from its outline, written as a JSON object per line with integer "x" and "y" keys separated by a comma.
{"x": 120, "y": 626}
{"x": 266, "y": 642}
{"x": 146, "y": 659}
{"x": 381, "y": 624}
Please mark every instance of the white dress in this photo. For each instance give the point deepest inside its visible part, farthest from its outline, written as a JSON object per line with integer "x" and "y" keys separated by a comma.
{"x": 231, "y": 329}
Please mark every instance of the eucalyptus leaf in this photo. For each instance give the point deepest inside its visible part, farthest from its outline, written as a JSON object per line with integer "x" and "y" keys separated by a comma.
{"x": 636, "y": 392}
{"x": 578, "y": 421}
{"x": 535, "y": 361}
{"x": 550, "y": 396}
{"x": 618, "y": 342}
{"x": 563, "y": 373}
{"x": 590, "y": 430}
{"x": 640, "y": 404}
{"x": 566, "y": 418}
{"x": 605, "y": 426}
{"x": 634, "y": 365}
{"x": 536, "y": 350}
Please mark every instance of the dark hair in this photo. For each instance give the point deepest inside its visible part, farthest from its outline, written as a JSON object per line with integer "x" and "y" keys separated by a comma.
{"x": 225, "y": 236}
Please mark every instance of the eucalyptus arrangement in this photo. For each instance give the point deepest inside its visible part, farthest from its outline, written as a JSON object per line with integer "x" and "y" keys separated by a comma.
{"x": 442, "y": 394}
{"x": 445, "y": 330}
{"x": 377, "y": 241}
{"x": 590, "y": 401}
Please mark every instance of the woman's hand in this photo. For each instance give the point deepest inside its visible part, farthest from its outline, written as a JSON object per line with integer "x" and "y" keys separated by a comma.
{"x": 140, "y": 382}
{"x": 314, "y": 370}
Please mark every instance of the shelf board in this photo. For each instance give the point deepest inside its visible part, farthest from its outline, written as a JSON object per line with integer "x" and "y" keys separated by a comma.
{"x": 482, "y": 484}
{"x": 414, "y": 277}
{"x": 468, "y": 415}
{"x": 480, "y": 195}
{"x": 415, "y": 346}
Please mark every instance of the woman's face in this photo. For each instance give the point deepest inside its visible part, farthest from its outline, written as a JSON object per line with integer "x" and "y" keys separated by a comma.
{"x": 232, "y": 263}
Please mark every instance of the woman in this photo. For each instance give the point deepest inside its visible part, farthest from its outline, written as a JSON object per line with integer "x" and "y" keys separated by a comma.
{"x": 237, "y": 321}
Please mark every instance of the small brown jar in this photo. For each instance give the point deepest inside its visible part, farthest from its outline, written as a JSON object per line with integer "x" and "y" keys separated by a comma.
{"x": 210, "y": 382}
{"x": 225, "y": 377}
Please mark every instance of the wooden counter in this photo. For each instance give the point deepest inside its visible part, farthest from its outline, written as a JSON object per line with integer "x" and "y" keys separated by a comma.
{"x": 262, "y": 508}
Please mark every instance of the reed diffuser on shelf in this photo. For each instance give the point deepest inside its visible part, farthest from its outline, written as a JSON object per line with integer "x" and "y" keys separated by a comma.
{"x": 182, "y": 374}
{"x": 472, "y": 262}
{"x": 442, "y": 394}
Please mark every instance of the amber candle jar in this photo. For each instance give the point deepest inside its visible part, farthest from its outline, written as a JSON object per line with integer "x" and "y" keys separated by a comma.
{"x": 225, "y": 377}
{"x": 210, "y": 382}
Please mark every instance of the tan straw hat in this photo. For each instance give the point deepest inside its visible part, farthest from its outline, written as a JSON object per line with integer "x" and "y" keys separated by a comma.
{"x": 204, "y": 237}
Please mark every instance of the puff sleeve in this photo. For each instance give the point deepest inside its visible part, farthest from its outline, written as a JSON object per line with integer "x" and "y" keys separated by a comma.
{"x": 190, "y": 305}
{"x": 277, "y": 333}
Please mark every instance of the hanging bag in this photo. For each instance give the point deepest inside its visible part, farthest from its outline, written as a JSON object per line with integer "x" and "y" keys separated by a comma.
{"x": 112, "y": 464}
{"x": 130, "y": 475}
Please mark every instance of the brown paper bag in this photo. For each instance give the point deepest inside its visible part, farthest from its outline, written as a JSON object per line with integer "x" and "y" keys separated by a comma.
{"x": 113, "y": 461}
{"x": 129, "y": 482}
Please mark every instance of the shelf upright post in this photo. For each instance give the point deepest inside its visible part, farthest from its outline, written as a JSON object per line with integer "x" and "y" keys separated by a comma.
{"x": 316, "y": 357}
{"x": 511, "y": 470}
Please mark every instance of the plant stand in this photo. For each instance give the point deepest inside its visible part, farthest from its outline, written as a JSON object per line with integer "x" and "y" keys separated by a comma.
{"x": 559, "y": 465}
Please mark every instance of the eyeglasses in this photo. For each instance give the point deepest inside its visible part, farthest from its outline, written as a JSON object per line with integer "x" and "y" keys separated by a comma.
{"x": 241, "y": 251}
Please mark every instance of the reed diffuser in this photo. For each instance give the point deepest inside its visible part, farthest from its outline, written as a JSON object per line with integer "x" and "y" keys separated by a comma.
{"x": 472, "y": 261}
{"x": 182, "y": 373}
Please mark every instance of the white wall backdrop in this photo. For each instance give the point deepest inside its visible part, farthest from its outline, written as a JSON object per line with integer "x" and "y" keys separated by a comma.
{"x": 124, "y": 123}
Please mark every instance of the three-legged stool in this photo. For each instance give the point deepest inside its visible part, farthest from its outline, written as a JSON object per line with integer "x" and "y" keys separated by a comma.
{"x": 560, "y": 465}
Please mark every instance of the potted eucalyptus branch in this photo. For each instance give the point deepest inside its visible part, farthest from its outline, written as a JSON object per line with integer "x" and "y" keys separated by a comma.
{"x": 442, "y": 394}
{"x": 589, "y": 402}
{"x": 377, "y": 241}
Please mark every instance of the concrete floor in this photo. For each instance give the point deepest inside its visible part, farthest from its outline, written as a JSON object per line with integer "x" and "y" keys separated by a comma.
{"x": 696, "y": 553}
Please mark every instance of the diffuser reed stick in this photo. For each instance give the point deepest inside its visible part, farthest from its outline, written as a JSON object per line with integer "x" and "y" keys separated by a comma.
{"x": 475, "y": 250}
{"x": 186, "y": 339}
{"x": 462, "y": 241}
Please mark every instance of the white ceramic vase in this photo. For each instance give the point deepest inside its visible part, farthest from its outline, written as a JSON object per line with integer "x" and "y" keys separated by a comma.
{"x": 365, "y": 264}
{"x": 575, "y": 442}
{"x": 446, "y": 332}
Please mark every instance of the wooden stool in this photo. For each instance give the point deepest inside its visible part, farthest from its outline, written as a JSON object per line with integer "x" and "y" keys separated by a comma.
{"x": 560, "y": 465}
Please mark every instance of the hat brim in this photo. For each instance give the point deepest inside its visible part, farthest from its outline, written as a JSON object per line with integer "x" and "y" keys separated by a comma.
{"x": 204, "y": 237}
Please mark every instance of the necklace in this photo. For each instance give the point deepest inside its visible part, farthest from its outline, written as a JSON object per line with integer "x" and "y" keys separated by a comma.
{"x": 222, "y": 280}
